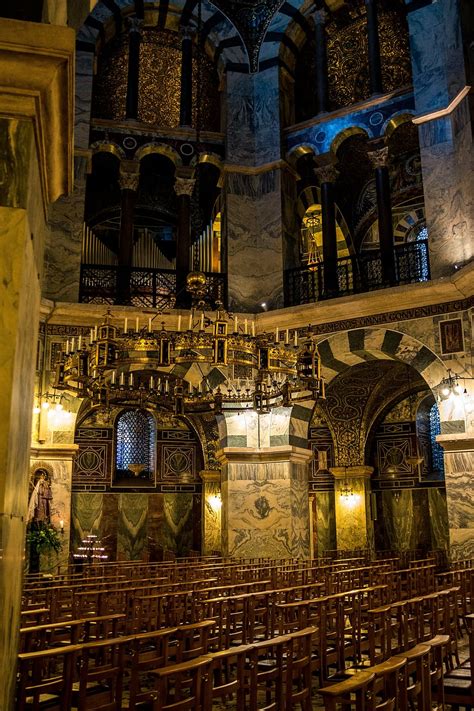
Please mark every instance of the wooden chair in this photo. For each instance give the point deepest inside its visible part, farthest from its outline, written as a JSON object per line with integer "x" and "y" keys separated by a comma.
{"x": 354, "y": 693}
{"x": 183, "y": 686}
{"x": 145, "y": 652}
{"x": 390, "y": 686}
{"x": 100, "y": 685}
{"x": 418, "y": 673}
{"x": 459, "y": 682}
{"x": 46, "y": 679}
{"x": 228, "y": 673}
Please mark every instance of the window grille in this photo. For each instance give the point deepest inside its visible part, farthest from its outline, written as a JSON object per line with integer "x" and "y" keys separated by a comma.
{"x": 135, "y": 440}
{"x": 436, "y": 449}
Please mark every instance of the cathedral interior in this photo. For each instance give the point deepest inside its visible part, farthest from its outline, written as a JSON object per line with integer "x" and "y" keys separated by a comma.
{"x": 236, "y": 283}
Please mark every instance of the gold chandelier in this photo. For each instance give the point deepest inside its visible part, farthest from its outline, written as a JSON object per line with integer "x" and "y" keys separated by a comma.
{"x": 209, "y": 362}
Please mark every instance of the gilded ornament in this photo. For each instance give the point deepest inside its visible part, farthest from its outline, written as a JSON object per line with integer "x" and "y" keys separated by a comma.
{"x": 184, "y": 186}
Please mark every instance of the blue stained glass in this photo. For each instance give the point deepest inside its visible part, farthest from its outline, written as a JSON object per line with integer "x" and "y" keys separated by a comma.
{"x": 436, "y": 449}
{"x": 135, "y": 439}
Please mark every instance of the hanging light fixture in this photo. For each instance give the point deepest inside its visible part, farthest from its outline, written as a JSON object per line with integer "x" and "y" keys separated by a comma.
{"x": 212, "y": 362}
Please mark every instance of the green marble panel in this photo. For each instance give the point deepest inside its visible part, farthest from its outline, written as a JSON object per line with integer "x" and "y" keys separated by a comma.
{"x": 178, "y": 523}
{"x": 325, "y": 522}
{"x": 16, "y": 141}
{"x": 132, "y": 526}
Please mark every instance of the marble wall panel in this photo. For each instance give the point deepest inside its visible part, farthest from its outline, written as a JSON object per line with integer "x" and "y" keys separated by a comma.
{"x": 64, "y": 245}
{"x": 352, "y": 518}
{"x": 459, "y": 470}
{"x": 132, "y": 526}
{"x": 438, "y": 519}
{"x": 83, "y": 98}
{"x": 253, "y": 121}
{"x": 254, "y": 243}
{"x": 178, "y": 523}
{"x": 438, "y": 75}
{"x": 86, "y": 517}
{"x": 403, "y": 523}
{"x": 447, "y": 164}
{"x": 325, "y": 522}
{"x": 266, "y": 510}
{"x": 211, "y": 517}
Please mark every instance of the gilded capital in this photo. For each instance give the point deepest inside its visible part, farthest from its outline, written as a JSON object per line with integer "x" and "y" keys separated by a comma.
{"x": 326, "y": 173}
{"x": 379, "y": 157}
{"x": 129, "y": 176}
{"x": 135, "y": 25}
{"x": 184, "y": 186}
{"x": 320, "y": 17}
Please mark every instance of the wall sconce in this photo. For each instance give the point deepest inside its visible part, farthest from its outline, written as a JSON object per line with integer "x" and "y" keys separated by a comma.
{"x": 215, "y": 502}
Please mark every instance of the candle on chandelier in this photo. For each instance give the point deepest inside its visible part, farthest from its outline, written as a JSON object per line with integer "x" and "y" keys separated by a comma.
{"x": 253, "y": 329}
{"x": 73, "y": 343}
{"x": 113, "y": 377}
{"x": 67, "y": 347}
{"x": 137, "y": 324}
{"x": 79, "y": 345}
{"x": 236, "y": 325}
{"x": 149, "y": 325}
{"x": 92, "y": 335}
{"x": 167, "y": 387}
{"x": 202, "y": 322}
{"x": 277, "y": 335}
{"x": 130, "y": 380}
{"x": 95, "y": 333}
{"x": 125, "y": 326}
{"x": 296, "y": 339}
{"x": 179, "y": 322}
{"x": 152, "y": 382}
{"x": 245, "y": 326}
{"x": 287, "y": 337}
{"x": 190, "y": 326}
{"x": 122, "y": 379}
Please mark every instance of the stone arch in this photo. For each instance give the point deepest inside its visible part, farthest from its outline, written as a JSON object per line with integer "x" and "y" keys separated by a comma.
{"x": 355, "y": 130}
{"x": 161, "y": 149}
{"x": 108, "y": 147}
{"x": 343, "y": 350}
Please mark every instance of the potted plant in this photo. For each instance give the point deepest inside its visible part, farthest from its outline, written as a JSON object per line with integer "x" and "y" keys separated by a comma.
{"x": 41, "y": 537}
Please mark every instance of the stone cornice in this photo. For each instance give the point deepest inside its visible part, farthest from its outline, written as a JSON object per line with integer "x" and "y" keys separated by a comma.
{"x": 456, "y": 442}
{"x": 358, "y": 472}
{"x": 53, "y": 451}
{"x": 284, "y": 453}
{"x": 37, "y": 85}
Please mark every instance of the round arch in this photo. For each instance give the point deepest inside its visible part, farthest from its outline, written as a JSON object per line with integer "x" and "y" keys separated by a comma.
{"x": 160, "y": 149}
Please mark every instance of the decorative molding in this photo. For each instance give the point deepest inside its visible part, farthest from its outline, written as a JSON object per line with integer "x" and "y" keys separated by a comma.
{"x": 362, "y": 472}
{"x": 37, "y": 70}
{"x": 285, "y": 453}
{"x": 441, "y": 113}
{"x": 456, "y": 442}
{"x": 379, "y": 157}
{"x": 184, "y": 186}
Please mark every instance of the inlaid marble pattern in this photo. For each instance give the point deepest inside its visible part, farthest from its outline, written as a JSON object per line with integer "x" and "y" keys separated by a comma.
{"x": 211, "y": 517}
{"x": 265, "y": 509}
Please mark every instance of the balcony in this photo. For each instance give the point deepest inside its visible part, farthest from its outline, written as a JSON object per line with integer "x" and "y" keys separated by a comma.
{"x": 144, "y": 287}
{"x": 358, "y": 274}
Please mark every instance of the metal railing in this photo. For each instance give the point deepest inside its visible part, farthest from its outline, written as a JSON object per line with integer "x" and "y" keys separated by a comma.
{"x": 358, "y": 274}
{"x": 146, "y": 287}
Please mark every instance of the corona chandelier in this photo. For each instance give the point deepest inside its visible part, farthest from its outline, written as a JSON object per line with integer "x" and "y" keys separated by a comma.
{"x": 210, "y": 361}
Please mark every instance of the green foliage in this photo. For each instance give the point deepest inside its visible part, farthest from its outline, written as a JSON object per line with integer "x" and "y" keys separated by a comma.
{"x": 43, "y": 539}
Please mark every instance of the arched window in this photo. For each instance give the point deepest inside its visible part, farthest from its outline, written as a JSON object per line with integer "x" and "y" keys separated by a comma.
{"x": 437, "y": 461}
{"x": 135, "y": 445}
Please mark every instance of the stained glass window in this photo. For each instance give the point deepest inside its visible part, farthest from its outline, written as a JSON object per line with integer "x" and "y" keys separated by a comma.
{"x": 135, "y": 441}
{"x": 436, "y": 449}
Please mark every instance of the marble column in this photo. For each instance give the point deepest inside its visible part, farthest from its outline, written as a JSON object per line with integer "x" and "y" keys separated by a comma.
{"x": 445, "y": 135}
{"x": 256, "y": 239}
{"x": 186, "y": 97}
{"x": 129, "y": 179}
{"x": 36, "y": 146}
{"x": 379, "y": 159}
{"x": 133, "y": 70}
{"x": 322, "y": 87}
{"x": 327, "y": 176}
{"x": 57, "y": 460}
{"x": 211, "y": 512}
{"x": 354, "y": 526}
{"x": 459, "y": 472}
{"x": 265, "y": 507}
{"x": 183, "y": 187}
{"x": 375, "y": 66}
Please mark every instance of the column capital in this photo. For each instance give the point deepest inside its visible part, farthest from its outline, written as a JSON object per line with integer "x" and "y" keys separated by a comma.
{"x": 135, "y": 24}
{"x": 210, "y": 475}
{"x": 460, "y": 442}
{"x": 326, "y": 173}
{"x": 379, "y": 157}
{"x": 357, "y": 472}
{"x": 284, "y": 453}
{"x": 129, "y": 175}
{"x": 184, "y": 186}
{"x": 320, "y": 17}
{"x": 187, "y": 32}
